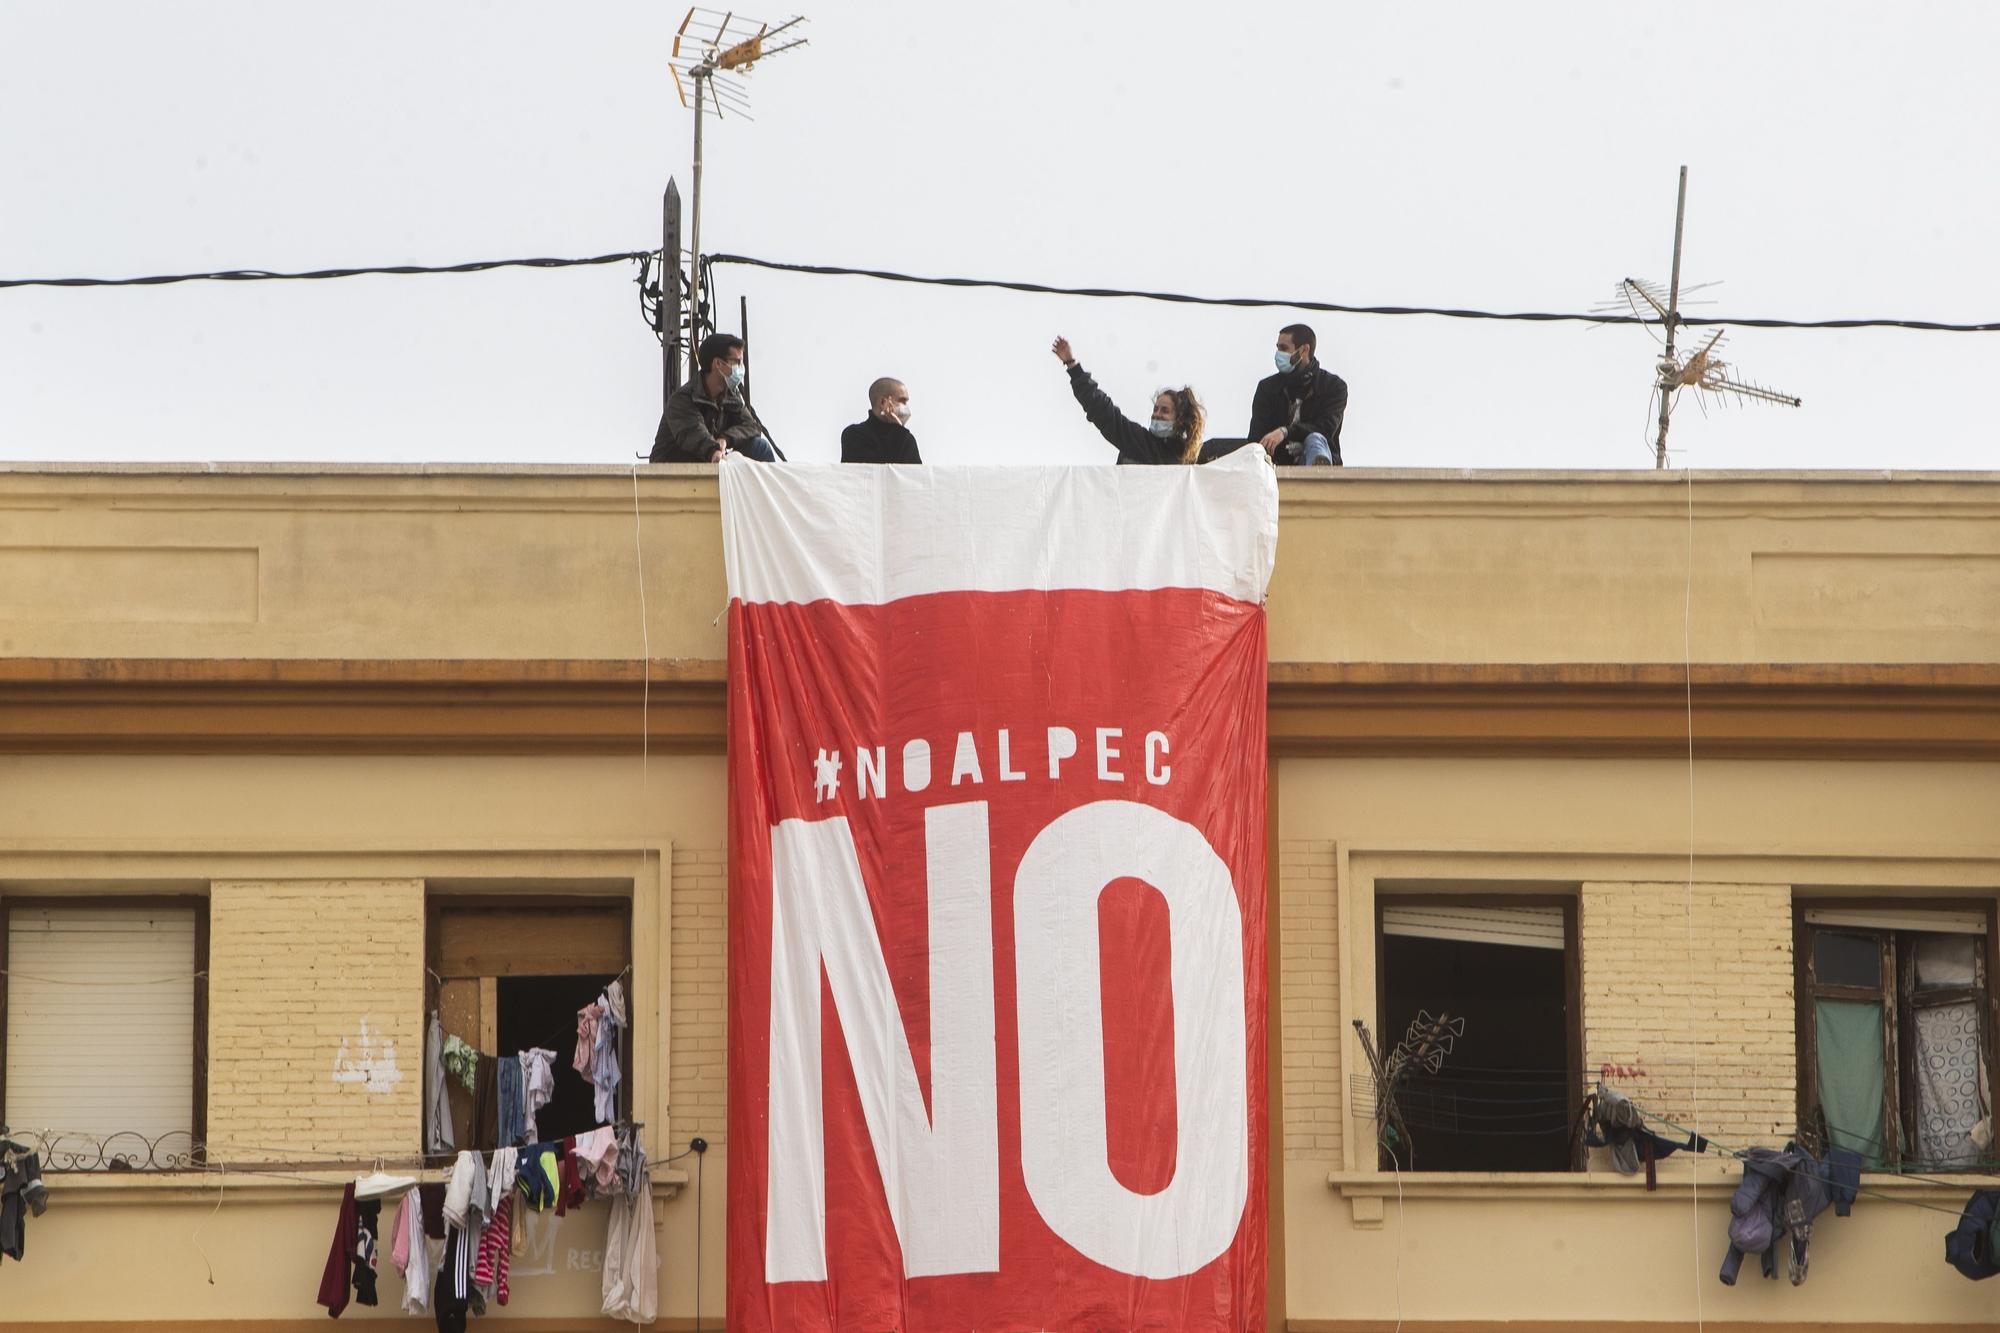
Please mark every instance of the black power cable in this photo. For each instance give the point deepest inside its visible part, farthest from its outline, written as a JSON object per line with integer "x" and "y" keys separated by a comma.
{"x": 316, "y": 275}
{"x": 1036, "y": 288}
{"x": 1261, "y": 302}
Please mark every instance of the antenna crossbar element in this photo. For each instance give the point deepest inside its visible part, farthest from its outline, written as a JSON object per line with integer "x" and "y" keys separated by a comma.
{"x": 1702, "y": 370}
{"x": 712, "y": 52}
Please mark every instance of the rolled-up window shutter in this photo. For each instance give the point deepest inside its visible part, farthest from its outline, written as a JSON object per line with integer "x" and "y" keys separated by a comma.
{"x": 1524, "y": 927}
{"x": 100, "y": 1020}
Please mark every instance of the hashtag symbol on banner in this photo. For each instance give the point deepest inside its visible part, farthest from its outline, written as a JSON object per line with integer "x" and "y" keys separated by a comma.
{"x": 826, "y": 776}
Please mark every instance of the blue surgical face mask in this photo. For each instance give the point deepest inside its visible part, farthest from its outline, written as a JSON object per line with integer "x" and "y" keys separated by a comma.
{"x": 736, "y": 376}
{"x": 1162, "y": 428}
{"x": 1284, "y": 360}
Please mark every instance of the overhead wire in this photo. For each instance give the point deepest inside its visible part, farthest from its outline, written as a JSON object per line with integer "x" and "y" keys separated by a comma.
{"x": 1339, "y": 308}
{"x": 708, "y": 261}
{"x": 324, "y": 274}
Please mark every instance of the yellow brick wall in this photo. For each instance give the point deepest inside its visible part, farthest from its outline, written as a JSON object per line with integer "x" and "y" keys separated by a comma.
{"x": 699, "y": 949}
{"x": 1309, "y": 979}
{"x": 1705, "y": 1012}
{"x": 295, "y": 969}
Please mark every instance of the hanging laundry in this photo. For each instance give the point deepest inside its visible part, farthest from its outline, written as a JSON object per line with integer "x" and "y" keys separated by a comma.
{"x": 587, "y": 1019}
{"x": 1617, "y": 1124}
{"x": 538, "y": 1084}
{"x": 538, "y": 1176}
{"x": 334, "y": 1282}
{"x": 410, "y": 1253}
{"x": 21, "y": 1188}
{"x": 465, "y": 1194}
{"x": 631, "y": 1255}
{"x": 1973, "y": 1246}
{"x": 367, "y": 1217}
{"x": 486, "y": 1104}
{"x": 597, "y": 1158}
{"x": 569, "y": 1178}
{"x": 631, "y": 1160}
{"x": 437, "y": 1107}
{"x": 604, "y": 1070}
{"x": 461, "y": 1061}
{"x": 1781, "y": 1194}
{"x": 502, "y": 1175}
{"x": 513, "y": 1122}
{"x": 452, "y": 1295}
{"x": 431, "y": 1195}
{"x": 489, "y": 1272}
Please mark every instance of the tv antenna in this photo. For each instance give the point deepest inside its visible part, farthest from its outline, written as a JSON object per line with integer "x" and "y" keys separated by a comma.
{"x": 1702, "y": 371}
{"x": 713, "y": 50}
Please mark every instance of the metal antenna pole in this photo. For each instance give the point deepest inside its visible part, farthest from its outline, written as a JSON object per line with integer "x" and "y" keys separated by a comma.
{"x": 1668, "y": 368}
{"x": 695, "y": 368}
{"x": 670, "y": 292}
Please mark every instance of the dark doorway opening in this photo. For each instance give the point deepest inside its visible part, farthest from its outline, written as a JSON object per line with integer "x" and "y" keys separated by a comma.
{"x": 1502, "y": 1100}
{"x": 541, "y": 1011}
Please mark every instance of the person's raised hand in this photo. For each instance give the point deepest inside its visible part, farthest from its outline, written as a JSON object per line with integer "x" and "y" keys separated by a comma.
{"x": 1061, "y": 348}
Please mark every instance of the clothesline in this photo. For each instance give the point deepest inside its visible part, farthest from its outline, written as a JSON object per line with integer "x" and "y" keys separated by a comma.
{"x": 1728, "y": 1151}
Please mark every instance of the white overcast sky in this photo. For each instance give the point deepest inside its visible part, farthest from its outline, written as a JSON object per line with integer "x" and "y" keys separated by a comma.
{"x": 1471, "y": 154}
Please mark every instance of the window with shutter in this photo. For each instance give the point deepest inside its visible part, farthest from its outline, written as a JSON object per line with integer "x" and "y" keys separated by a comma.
{"x": 1506, "y": 1099}
{"x": 103, "y": 1028}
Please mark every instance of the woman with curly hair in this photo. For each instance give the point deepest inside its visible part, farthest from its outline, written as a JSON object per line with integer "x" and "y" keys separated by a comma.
{"x": 1172, "y": 436}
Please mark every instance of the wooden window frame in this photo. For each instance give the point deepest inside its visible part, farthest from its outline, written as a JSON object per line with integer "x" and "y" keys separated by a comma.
{"x": 9, "y": 903}
{"x": 1898, "y": 975}
{"x": 437, "y": 904}
{"x": 1572, "y": 975}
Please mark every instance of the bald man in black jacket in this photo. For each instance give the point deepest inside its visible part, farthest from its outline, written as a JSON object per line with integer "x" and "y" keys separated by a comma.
{"x": 883, "y": 436}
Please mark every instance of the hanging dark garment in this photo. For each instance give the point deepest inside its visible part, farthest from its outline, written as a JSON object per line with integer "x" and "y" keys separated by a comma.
{"x": 333, "y": 1283}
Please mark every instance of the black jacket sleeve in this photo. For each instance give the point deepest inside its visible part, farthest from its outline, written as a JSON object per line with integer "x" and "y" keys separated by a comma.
{"x": 1134, "y": 443}
{"x": 683, "y": 435}
{"x": 1323, "y": 412}
{"x": 1268, "y": 409}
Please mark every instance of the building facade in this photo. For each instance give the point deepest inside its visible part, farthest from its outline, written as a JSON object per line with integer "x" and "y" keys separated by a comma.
{"x": 1691, "y": 788}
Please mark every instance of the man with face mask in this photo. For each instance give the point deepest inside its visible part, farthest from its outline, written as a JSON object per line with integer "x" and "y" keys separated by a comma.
{"x": 883, "y": 436}
{"x": 1296, "y": 413}
{"x": 708, "y": 418}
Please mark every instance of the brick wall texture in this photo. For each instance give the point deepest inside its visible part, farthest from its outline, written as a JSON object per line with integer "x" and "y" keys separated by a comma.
{"x": 698, "y": 947}
{"x": 1309, "y": 979}
{"x": 1694, "y": 990}
{"x": 315, "y": 1036}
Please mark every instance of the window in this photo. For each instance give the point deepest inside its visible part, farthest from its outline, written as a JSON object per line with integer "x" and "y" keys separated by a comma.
{"x": 105, "y": 1013}
{"x": 1503, "y": 1100}
{"x": 1895, "y": 1032}
{"x": 510, "y": 975}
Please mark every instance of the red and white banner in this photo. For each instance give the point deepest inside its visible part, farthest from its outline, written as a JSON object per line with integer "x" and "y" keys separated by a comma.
{"x": 996, "y": 922}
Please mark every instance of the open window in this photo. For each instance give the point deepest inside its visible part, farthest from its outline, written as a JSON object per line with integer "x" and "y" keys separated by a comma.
{"x": 1504, "y": 1100}
{"x": 1895, "y": 1031}
{"x": 105, "y": 1013}
{"x": 509, "y": 975}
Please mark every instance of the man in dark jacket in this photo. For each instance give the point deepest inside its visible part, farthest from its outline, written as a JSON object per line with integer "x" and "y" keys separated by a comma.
{"x": 883, "y": 436}
{"x": 708, "y": 417}
{"x": 1296, "y": 413}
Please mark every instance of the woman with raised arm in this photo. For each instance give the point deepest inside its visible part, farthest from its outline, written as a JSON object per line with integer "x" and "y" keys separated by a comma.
{"x": 1172, "y": 436}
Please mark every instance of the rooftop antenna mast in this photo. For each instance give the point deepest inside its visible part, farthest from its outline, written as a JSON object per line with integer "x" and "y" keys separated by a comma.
{"x": 1702, "y": 371}
{"x": 713, "y": 49}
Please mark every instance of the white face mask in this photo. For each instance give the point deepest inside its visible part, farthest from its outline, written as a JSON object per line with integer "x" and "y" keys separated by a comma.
{"x": 902, "y": 414}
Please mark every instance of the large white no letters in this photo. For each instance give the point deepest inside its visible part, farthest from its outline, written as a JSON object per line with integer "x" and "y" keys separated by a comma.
{"x": 1060, "y": 1005}
{"x": 940, "y": 1170}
